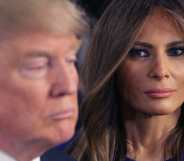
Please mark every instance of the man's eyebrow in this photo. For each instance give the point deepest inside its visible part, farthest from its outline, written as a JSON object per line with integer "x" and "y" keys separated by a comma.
{"x": 175, "y": 43}
{"x": 37, "y": 53}
{"x": 143, "y": 44}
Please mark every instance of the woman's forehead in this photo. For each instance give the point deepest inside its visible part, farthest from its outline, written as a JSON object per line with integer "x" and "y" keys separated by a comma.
{"x": 159, "y": 19}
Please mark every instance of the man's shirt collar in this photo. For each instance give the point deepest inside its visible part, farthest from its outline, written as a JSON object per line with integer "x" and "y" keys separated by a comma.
{"x": 5, "y": 157}
{"x": 36, "y": 159}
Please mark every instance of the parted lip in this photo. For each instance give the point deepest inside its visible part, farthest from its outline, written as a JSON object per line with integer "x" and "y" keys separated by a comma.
{"x": 160, "y": 93}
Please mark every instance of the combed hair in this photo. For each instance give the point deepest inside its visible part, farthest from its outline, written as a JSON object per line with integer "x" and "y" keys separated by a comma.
{"x": 47, "y": 15}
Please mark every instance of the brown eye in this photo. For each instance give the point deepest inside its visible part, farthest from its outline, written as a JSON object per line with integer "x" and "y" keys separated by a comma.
{"x": 138, "y": 53}
{"x": 175, "y": 51}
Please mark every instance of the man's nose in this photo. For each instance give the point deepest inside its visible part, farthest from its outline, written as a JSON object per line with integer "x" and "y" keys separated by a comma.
{"x": 65, "y": 82}
{"x": 159, "y": 68}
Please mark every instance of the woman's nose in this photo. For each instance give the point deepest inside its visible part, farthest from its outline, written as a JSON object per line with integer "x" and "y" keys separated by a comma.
{"x": 159, "y": 68}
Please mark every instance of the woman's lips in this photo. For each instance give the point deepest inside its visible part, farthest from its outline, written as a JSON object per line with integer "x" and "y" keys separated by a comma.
{"x": 159, "y": 93}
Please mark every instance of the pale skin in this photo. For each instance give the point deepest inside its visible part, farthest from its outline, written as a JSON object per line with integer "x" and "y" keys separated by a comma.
{"x": 153, "y": 89}
{"x": 38, "y": 92}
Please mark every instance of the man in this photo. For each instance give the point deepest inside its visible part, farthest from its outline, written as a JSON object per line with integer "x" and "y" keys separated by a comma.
{"x": 38, "y": 78}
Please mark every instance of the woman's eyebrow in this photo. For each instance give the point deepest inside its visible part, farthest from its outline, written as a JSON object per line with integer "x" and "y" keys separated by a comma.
{"x": 175, "y": 43}
{"x": 143, "y": 44}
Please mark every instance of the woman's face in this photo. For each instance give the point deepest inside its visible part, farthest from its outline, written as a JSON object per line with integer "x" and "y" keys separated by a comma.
{"x": 151, "y": 79}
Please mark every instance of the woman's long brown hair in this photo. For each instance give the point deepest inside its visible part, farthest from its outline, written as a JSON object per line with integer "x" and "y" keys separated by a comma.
{"x": 102, "y": 134}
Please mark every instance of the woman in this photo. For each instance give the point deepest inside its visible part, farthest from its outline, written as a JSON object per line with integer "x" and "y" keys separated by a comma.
{"x": 134, "y": 77}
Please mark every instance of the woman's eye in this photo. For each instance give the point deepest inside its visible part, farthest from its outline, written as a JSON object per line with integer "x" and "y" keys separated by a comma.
{"x": 138, "y": 53}
{"x": 176, "y": 51}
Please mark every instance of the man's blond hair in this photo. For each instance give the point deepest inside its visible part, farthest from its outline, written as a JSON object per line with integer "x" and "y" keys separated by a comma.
{"x": 49, "y": 15}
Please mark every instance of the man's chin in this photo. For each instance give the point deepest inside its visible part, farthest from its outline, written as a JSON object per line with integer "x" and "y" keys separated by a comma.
{"x": 65, "y": 132}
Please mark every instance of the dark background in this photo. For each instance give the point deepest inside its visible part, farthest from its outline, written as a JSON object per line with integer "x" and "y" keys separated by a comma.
{"x": 94, "y": 7}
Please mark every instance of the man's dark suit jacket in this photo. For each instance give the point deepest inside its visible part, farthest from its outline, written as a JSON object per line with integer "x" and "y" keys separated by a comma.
{"x": 56, "y": 154}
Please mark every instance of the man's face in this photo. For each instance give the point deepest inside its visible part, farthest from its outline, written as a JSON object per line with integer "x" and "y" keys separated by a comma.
{"x": 38, "y": 87}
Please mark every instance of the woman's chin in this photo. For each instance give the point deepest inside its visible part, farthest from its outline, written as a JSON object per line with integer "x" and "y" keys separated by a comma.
{"x": 158, "y": 110}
